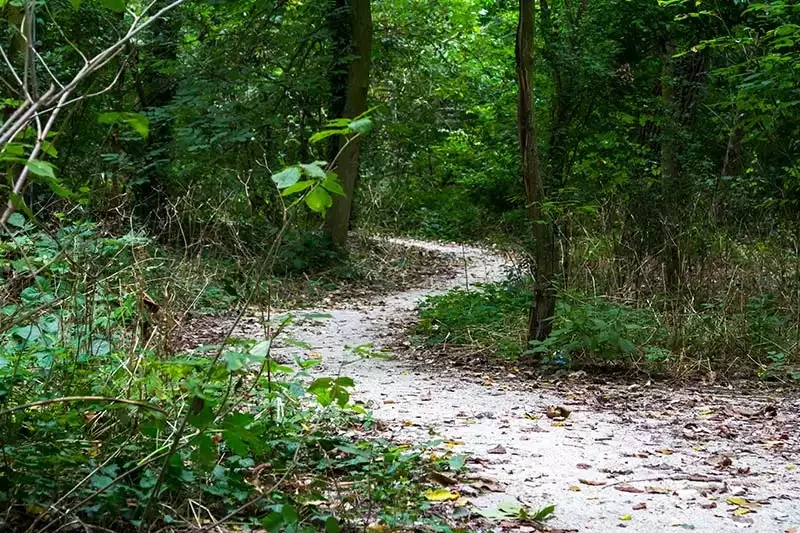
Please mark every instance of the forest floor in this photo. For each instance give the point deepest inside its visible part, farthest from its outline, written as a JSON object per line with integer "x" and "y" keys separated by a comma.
{"x": 638, "y": 455}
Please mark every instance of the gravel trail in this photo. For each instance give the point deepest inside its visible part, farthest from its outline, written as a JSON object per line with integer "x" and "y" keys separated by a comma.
{"x": 644, "y": 457}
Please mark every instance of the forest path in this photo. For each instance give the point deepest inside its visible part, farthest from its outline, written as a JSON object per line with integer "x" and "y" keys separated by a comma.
{"x": 707, "y": 460}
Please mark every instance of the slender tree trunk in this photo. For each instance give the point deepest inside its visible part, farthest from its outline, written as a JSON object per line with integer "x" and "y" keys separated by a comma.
{"x": 544, "y": 301}
{"x": 670, "y": 171}
{"x": 355, "y": 29}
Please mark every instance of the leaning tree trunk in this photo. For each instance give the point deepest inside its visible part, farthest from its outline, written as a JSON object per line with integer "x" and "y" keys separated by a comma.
{"x": 349, "y": 99}
{"x": 544, "y": 300}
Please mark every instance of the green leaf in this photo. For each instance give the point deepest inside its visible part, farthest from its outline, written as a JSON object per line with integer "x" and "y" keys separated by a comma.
{"x": 289, "y": 514}
{"x": 544, "y": 512}
{"x": 235, "y": 360}
{"x": 137, "y": 121}
{"x": 76, "y": 4}
{"x": 49, "y": 149}
{"x": 58, "y": 188}
{"x": 319, "y": 200}
{"x": 321, "y": 135}
{"x": 313, "y": 170}
{"x": 261, "y": 349}
{"x": 362, "y": 126}
{"x": 41, "y": 169}
{"x": 332, "y": 184}
{"x": 114, "y": 5}
{"x": 286, "y": 177}
{"x": 17, "y": 220}
{"x": 297, "y": 187}
{"x": 456, "y": 462}
{"x": 12, "y": 150}
{"x": 331, "y": 525}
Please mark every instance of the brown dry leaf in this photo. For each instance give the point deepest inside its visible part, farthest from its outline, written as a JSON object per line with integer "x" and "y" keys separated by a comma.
{"x": 442, "y": 479}
{"x": 556, "y": 411}
{"x": 708, "y": 505}
{"x": 665, "y": 451}
{"x": 639, "y": 506}
{"x": 592, "y": 483}
{"x": 628, "y": 488}
{"x": 497, "y": 450}
{"x": 574, "y": 488}
{"x": 583, "y": 466}
{"x": 658, "y": 490}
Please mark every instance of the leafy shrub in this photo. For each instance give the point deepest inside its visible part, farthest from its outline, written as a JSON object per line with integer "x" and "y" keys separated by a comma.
{"x": 486, "y": 315}
{"x": 97, "y": 416}
{"x": 589, "y": 328}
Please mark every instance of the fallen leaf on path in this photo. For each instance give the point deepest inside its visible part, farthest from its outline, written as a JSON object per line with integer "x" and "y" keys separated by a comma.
{"x": 658, "y": 490}
{"x": 665, "y": 451}
{"x": 682, "y": 525}
{"x": 741, "y": 511}
{"x": 592, "y": 483}
{"x": 639, "y": 506}
{"x": 440, "y": 495}
{"x": 628, "y": 488}
{"x": 574, "y": 488}
{"x": 497, "y": 450}
{"x": 719, "y": 461}
{"x": 741, "y": 502}
{"x": 442, "y": 479}
{"x": 583, "y": 466}
{"x": 556, "y": 411}
{"x": 626, "y": 517}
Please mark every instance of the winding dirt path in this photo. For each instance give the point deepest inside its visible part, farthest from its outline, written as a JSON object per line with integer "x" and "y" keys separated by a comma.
{"x": 707, "y": 460}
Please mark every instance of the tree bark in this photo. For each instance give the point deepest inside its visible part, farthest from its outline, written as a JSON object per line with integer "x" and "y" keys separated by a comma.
{"x": 349, "y": 99}
{"x": 544, "y": 300}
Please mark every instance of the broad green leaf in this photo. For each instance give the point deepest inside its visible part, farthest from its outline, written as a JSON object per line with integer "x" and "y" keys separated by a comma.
{"x": 362, "y": 126}
{"x": 332, "y": 184}
{"x": 261, "y": 349}
{"x": 331, "y": 525}
{"x": 137, "y": 121}
{"x": 41, "y": 169}
{"x": 76, "y": 4}
{"x": 456, "y": 462}
{"x": 114, "y": 5}
{"x": 12, "y": 150}
{"x": 17, "y": 220}
{"x": 319, "y": 200}
{"x": 286, "y": 177}
{"x": 314, "y": 170}
{"x": 297, "y": 187}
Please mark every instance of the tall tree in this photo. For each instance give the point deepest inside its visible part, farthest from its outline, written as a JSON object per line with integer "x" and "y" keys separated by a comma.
{"x": 351, "y": 24}
{"x": 544, "y": 300}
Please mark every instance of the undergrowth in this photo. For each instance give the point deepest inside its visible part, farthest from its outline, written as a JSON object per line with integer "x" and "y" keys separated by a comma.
{"x": 595, "y": 331}
{"x": 104, "y": 425}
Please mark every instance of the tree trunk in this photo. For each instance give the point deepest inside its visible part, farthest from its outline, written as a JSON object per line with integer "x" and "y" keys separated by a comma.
{"x": 349, "y": 99}
{"x": 682, "y": 81}
{"x": 544, "y": 301}
{"x": 670, "y": 171}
